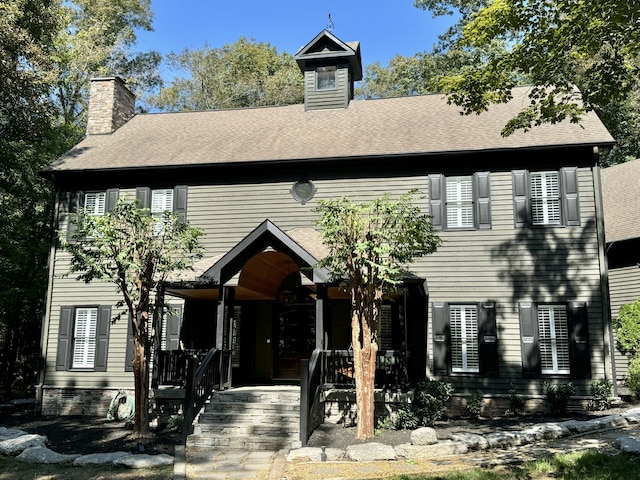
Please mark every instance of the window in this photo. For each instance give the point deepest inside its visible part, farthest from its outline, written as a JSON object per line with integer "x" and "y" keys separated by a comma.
{"x": 169, "y": 335}
{"x": 89, "y": 203}
{"x": 460, "y": 202}
{"x": 160, "y": 200}
{"x": 95, "y": 203}
{"x": 83, "y": 338}
{"x": 546, "y": 198}
{"x": 555, "y": 339}
{"x": 326, "y": 78}
{"x": 386, "y": 328}
{"x": 465, "y": 339}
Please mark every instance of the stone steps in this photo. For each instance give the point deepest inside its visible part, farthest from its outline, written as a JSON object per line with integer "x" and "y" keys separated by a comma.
{"x": 250, "y": 418}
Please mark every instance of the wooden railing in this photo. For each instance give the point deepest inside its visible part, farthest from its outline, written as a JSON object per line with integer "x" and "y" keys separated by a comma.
{"x": 311, "y": 376}
{"x": 212, "y": 373}
{"x": 391, "y": 372}
{"x": 170, "y": 367}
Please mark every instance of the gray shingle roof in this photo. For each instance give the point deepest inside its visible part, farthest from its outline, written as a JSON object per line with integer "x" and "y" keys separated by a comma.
{"x": 621, "y": 198}
{"x": 367, "y": 128}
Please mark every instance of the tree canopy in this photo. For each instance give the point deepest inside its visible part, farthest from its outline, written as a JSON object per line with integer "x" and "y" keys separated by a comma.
{"x": 556, "y": 45}
{"x": 371, "y": 245}
{"x": 238, "y": 75}
{"x": 137, "y": 252}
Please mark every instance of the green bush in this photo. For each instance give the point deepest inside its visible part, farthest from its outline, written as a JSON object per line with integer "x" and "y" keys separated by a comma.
{"x": 516, "y": 401}
{"x": 627, "y": 327}
{"x": 429, "y": 400}
{"x": 474, "y": 404}
{"x": 601, "y": 393}
{"x": 558, "y": 396}
{"x": 633, "y": 377}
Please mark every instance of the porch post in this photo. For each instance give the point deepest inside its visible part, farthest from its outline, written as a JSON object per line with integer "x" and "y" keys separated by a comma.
{"x": 231, "y": 301}
{"x": 220, "y": 317}
{"x": 321, "y": 303}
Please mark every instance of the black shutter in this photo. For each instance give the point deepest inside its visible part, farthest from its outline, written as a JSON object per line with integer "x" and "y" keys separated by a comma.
{"x": 65, "y": 336}
{"x": 143, "y": 194}
{"x": 441, "y": 340}
{"x": 102, "y": 339}
{"x": 488, "y": 340}
{"x": 570, "y": 198}
{"x": 436, "y": 201}
{"x": 579, "y": 351}
{"x": 128, "y": 355}
{"x": 521, "y": 210}
{"x": 482, "y": 192}
{"x": 172, "y": 335}
{"x": 76, "y": 204}
{"x": 111, "y": 199}
{"x": 180, "y": 202}
{"x": 529, "y": 341}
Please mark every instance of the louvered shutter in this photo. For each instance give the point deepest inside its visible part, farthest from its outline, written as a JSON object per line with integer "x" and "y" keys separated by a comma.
{"x": 143, "y": 195}
{"x": 436, "y": 202}
{"x": 102, "y": 339}
{"x": 579, "y": 340}
{"x": 128, "y": 356}
{"x": 171, "y": 329}
{"x": 180, "y": 202}
{"x": 482, "y": 194}
{"x": 529, "y": 341}
{"x": 76, "y": 205}
{"x": 441, "y": 352}
{"x": 571, "y": 201}
{"x": 112, "y": 198}
{"x": 64, "y": 339}
{"x": 386, "y": 328}
{"x": 488, "y": 340}
{"x": 521, "y": 212}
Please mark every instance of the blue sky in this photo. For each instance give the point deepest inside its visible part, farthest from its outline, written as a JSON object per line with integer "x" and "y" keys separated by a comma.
{"x": 383, "y": 27}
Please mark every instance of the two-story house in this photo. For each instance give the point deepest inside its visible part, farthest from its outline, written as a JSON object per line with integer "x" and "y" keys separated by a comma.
{"x": 515, "y": 296}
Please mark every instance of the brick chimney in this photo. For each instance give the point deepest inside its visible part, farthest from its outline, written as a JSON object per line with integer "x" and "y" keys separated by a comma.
{"x": 111, "y": 105}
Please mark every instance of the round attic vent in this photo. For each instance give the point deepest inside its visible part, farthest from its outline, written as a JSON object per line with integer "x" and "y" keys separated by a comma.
{"x": 303, "y": 191}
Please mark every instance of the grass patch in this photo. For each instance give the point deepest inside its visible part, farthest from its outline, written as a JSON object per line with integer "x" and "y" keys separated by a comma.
{"x": 12, "y": 469}
{"x": 585, "y": 465}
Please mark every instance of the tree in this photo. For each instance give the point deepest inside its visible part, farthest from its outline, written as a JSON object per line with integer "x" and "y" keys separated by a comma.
{"x": 557, "y": 45}
{"x": 627, "y": 326}
{"x": 27, "y": 144}
{"x": 137, "y": 252}
{"x": 238, "y": 75}
{"x": 370, "y": 247}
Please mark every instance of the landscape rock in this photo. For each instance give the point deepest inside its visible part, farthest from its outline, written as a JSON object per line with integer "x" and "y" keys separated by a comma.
{"x": 632, "y": 418}
{"x": 627, "y": 444}
{"x": 424, "y": 436}
{"x": 16, "y": 445}
{"x": 548, "y": 431}
{"x": 473, "y": 441}
{"x": 316, "y": 454}
{"x": 445, "y": 448}
{"x": 42, "y": 454}
{"x": 99, "y": 458}
{"x": 144, "y": 461}
{"x": 368, "y": 452}
{"x": 8, "y": 433}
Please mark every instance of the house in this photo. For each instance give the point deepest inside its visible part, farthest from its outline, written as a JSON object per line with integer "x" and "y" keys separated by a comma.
{"x": 516, "y": 295}
{"x": 621, "y": 199}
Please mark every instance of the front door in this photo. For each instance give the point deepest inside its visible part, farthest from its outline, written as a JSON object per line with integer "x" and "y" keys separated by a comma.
{"x": 295, "y": 336}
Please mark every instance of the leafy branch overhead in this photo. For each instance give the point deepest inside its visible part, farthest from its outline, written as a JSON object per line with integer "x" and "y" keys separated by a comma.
{"x": 554, "y": 45}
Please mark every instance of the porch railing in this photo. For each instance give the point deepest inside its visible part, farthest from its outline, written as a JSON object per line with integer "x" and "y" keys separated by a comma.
{"x": 171, "y": 367}
{"x": 391, "y": 371}
{"x": 311, "y": 375}
{"x": 212, "y": 373}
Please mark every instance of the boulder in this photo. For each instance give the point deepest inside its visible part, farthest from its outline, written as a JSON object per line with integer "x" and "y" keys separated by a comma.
{"x": 472, "y": 440}
{"x": 627, "y": 444}
{"x": 144, "y": 460}
{"x": 316, "y": 454}
{"x": 16, "y": 445}
{"x": 440, "y": 449}
{"x": 42, "y": 454}
{"x": 7, "y": 433}
{"x": 424, "y": 436}
{"x": 368, "y": 452}
{"x": 99, "y": 458}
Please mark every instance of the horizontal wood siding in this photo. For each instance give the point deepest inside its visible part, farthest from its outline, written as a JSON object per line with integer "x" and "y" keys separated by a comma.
{"x": 624, "y": 287}
{"x": 320, "y": 99}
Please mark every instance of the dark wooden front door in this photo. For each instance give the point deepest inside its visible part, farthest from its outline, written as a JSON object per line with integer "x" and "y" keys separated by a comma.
{"x": 294, "y": 335}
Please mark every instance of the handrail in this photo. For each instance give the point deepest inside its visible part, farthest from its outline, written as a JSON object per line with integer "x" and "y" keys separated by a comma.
{"x": 311, "y": 376}
{"x": 390, "y": 370}
{"x": 212, "y": 373}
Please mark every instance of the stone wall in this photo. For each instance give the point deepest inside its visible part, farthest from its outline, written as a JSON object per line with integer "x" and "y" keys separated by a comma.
{"x": 340, "y": 405}
{"x": 66, "y": 401}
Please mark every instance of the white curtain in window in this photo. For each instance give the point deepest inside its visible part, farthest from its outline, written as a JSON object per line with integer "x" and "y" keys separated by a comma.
{"x": 553, "y": 339}
{"x": 84, "y": 337}
{"x": 464, "y": 338}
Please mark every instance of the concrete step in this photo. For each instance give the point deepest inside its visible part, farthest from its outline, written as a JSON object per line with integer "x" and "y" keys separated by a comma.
{"x": 242, "y": 442}
{"x": 252, "y": 407}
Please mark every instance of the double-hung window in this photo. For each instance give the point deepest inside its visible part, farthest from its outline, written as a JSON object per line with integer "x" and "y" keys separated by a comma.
{"x": 465, "y": 339}
{"x": 91, "y": 203}
{"x": 95, "y": 203}
{"x": 546, "y": 198}
{"x": 555, "y": 339}
{"x": 161, "y": 202}
{"x": 460, "y": 202}
{"x": 83, "y": 338}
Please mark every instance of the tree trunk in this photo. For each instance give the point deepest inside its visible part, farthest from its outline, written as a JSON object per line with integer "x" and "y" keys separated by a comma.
{"x": 141, "y": 380}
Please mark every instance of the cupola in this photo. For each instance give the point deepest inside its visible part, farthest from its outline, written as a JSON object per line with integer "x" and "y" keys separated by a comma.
{"x": 330, "y": 67}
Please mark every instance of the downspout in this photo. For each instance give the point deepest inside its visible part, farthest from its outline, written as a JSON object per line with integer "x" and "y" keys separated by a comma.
{"x": 608, "y": 352}
{"x": 44, "y": 330}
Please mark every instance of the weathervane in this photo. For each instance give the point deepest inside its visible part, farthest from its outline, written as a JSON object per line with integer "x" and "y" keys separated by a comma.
{"x": 330, "y": 24}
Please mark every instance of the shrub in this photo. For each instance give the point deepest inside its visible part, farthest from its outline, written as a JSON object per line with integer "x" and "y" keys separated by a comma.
{"x": 429, "y": 400}
{"x": 627, "y": 327}
{"x": 474, "y": 404}
{"x": 558, "y": 396}
{"x": 633, "y": 378}
{"x": 406, "y": 419}
{"x": 601, "y": 393}
{"x": 516, "y": 401}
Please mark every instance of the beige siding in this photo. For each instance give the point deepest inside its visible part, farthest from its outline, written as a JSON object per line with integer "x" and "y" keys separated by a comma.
{"x": 319, "y": 99}
{"x": 624, "y": 287}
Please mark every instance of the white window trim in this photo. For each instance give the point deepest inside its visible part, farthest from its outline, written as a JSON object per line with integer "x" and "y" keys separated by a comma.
{"x": 553, "y": 340}
{"x": 329, "y": 68}
{"x": 457, "y": 204}
{"x": 545, "y": 201}
{"x": 99, "y": 202}
{"x": 465, "y": 342}
{"x": 161, "y": 201}
{"x": 84, "y": 341}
